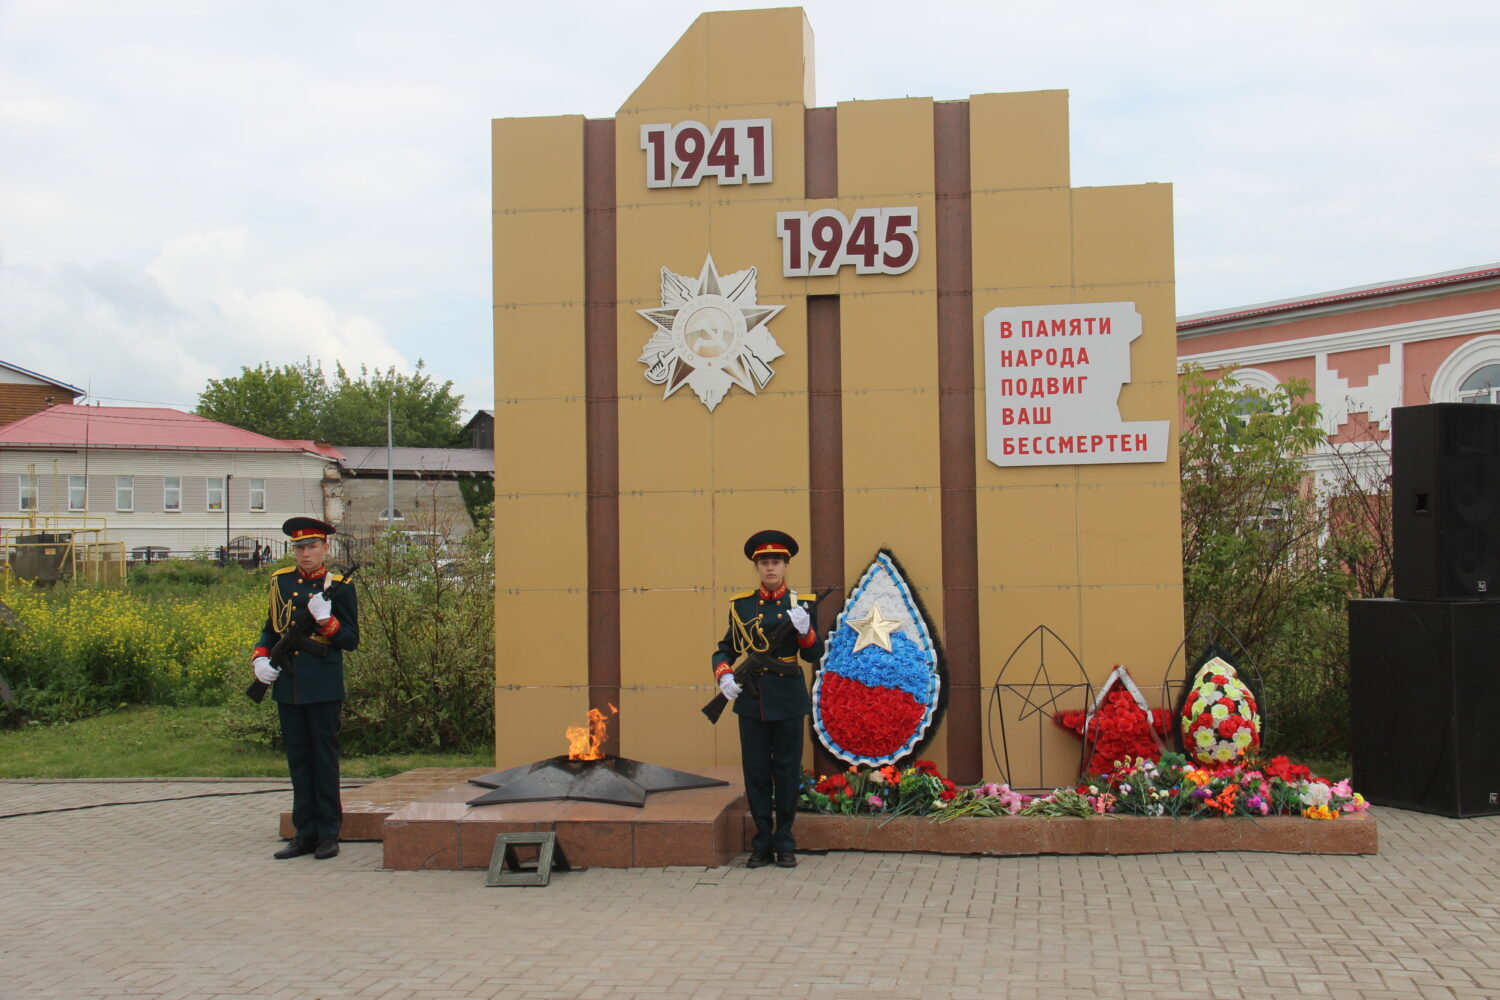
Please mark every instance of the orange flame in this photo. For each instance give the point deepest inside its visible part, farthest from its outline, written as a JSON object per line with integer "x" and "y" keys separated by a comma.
{"x": 584, "y": 743}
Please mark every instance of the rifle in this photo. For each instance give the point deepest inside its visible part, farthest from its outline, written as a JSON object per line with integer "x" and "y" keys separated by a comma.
{"x": 760, "y": 663}
{"x": 294, "y": 638}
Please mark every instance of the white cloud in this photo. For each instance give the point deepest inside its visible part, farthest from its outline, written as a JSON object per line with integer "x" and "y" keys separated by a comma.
{"x": 162, "y": 331}
{"x": 1309, "y": 145}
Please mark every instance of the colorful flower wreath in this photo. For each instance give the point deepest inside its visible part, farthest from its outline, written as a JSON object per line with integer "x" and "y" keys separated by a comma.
{"x": 1220, "y": 719}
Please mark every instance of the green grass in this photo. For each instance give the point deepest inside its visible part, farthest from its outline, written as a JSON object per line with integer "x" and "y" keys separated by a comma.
{"x": 158, "y": 742}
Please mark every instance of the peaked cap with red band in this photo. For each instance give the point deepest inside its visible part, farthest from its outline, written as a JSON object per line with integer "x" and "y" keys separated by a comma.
{"x": 770, "y": 543}
{"x": 302, "y": 530}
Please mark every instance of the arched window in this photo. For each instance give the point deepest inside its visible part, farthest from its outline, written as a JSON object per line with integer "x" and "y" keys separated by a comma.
{"x": 1471, "y": 374}
{"x": 1252, "y": 401}
{"x": 1481, "y": 387}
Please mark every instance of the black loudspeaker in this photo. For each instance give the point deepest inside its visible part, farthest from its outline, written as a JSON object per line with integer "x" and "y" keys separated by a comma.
{"x": 1445, "y": 502}
{"x": 1424, "y": 695}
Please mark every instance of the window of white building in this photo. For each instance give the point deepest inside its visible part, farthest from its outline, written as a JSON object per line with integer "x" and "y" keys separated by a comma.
{"x": 216, "y": 494}
{"x": 28, "y": 491}
{"x": 125, "y": 493}
{"x": 78, "y": 493}
{"x": 257, "y": 494}
{"x": 171, "y": 493}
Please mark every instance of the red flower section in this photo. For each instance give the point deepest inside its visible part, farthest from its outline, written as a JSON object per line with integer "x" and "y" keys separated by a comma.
{"x": 864, "y": 720}
{"x": 1284, "y": 769}
{"x": 1119, "y": 730}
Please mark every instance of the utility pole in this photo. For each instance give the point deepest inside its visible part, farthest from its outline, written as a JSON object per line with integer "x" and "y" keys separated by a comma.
{"x": 390, "y": 468}
{"x": 227, "y": 478}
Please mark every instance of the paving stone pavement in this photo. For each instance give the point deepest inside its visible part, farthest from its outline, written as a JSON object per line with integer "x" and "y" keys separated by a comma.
{"x": 181, "y": 899}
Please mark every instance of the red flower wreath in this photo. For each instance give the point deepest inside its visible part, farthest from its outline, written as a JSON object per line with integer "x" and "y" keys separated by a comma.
{"x": 1119, "y": 730}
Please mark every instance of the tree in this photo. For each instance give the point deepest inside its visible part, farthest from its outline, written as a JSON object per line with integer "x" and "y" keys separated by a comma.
{"x": 426, "y": 415}
{"x": 1251, "y": 520}
{"x": 1360, "y": 519}
{"x": 300, "y": 402}
{"x": 285, "y": 402}
{"x": 479, "y": 498}
{"x": 1254, "y": 533}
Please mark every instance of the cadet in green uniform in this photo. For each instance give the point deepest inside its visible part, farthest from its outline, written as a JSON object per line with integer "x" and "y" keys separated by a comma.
{"x": 770, "y": 711}
{"x": 309, "y": 695}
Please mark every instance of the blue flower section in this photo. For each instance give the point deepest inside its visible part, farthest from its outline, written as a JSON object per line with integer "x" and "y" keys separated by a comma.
{"x": 905, "y": 668}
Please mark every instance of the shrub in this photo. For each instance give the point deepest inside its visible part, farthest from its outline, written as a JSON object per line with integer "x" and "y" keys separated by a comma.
{"x": 83, "y": 651}
{"x": 1273, "y": 555}
{"x": 173, "y": 578}
{"x": 424, "y": 675}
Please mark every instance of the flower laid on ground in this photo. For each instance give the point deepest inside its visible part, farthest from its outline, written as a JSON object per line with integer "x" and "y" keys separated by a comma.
{"x": 1172, "y": 786}
{"x": 914, "y": 790}
{"x": 1176, "y": 786}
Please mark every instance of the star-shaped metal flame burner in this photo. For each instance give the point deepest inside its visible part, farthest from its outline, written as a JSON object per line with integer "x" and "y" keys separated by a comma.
{"x": 616, "y": 780}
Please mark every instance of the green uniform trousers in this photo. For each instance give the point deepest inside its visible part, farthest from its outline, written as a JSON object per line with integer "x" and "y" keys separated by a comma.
{"x": 771, "y": 756}
{"x": 311, "y": 735}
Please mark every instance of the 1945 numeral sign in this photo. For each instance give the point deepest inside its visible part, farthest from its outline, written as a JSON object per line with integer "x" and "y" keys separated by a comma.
{"x": 681, "y": 155}
{"x": 875, "y": 241}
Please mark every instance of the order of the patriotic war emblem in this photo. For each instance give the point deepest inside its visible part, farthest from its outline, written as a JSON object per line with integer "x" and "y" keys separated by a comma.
{"x": 710, "y": 335}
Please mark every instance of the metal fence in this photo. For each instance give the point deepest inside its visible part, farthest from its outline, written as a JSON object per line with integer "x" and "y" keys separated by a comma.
{"x": 51, "y": 557}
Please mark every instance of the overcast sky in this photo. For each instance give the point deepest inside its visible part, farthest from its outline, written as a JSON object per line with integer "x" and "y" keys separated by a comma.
{"x": 186, "y": 188}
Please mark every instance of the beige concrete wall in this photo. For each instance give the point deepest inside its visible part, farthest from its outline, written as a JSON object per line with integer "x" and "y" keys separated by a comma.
{"x": 1093, "y": 552}
{"x": 695, "y": 483}
{"x": 541, "y": 600}
{"x": 1090, "y": 551}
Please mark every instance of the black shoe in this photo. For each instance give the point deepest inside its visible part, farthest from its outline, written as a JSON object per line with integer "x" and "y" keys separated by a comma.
{"x": 326, "y": 849}
{"x": 786, "y": 859}
{"x": 295, "y": 849}
{"x": 759, "y": 859}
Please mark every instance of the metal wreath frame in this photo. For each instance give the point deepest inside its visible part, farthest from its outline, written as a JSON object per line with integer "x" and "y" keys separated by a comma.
{"x": 1054, "y": 691}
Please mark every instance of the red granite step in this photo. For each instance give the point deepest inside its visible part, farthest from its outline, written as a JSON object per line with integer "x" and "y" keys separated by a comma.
{"x": 425, "y": 822}
{"x": 694, "y": 826}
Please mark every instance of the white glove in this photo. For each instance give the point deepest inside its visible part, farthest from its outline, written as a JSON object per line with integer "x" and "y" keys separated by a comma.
{"x": 800, "y": 619}
{"x": 264, "y": 672}
{"x": 729, "y": 687}
{"x": 320, "y": 607}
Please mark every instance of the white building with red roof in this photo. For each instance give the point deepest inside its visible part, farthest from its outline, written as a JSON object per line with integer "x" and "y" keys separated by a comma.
{"x": 1364, "y": 350}
{"x": 159, "y": 480}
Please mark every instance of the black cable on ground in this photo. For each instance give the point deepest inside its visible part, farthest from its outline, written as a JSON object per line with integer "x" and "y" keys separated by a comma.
{"x": 142, "y": 802}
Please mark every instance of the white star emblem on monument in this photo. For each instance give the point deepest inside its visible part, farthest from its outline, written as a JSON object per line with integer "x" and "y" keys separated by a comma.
{"x": 710, "y": 335}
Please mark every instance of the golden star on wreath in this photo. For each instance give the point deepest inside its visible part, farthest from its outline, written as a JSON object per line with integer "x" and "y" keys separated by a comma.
{"x": 874, "y": 629}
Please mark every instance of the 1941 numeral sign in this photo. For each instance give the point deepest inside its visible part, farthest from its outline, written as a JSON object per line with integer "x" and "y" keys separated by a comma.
{"x": 681, "y": 155}
{"x": 875, "y": 241}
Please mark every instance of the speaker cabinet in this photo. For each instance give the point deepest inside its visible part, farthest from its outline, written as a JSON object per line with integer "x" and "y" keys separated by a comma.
{"x": 1424, "y": 694}
{"x": 1445, "y": 502}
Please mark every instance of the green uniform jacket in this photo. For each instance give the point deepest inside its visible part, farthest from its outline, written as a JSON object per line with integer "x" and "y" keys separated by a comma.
{"x": 315, "y": 677}
{"x": 759, "y": 614}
